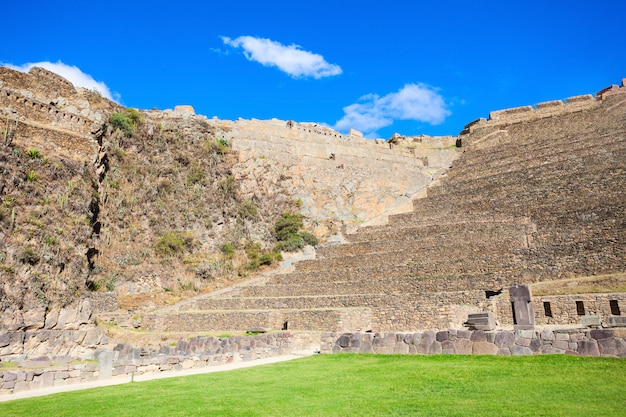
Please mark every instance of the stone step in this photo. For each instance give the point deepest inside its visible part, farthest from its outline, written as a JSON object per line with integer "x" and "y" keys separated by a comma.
{"x": 487, "y": 238}
{"x": 508, "y": 157}
{"x": 545, "y": 176}
{"x": 555, "y": 197}
{"x": 446, "y": 264}
{"x": 380, "y": 285}
{"x": 411, "y": 226}
{"x": 405, "y": 256}
{"x": 301, "y": 302}
{"x": 555, "y": 130}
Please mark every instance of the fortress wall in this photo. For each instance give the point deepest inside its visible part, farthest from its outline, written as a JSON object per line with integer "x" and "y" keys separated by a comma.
{"x": 347, "y": 154}
{"x": 45, "y": 113}
{"x": 308, "y": 140}
{"x": 66, "y": 143}
{"x": 545, "y": 109}
{"x": 44, "y": 84}
{"x": 563, "y": 307}
{"x": 128, "y": 362}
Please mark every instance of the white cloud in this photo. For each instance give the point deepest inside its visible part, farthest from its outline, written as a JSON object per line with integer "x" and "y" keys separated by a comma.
{"x": 290, "y": 59}
{"x": 417, "y": 102}
{"x": 72, "y": 74}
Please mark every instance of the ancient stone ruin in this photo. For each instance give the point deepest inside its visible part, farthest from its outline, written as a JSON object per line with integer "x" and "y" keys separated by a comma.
{"x": 536, "y": 197}
{"x": 507, "y": 239}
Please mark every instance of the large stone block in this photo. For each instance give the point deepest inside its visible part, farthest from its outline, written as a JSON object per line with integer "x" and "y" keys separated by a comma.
{"x": 105, "y": 364}
{"x": 601, "y": 334}
{"x": 481, "y": 321}
{"x": 588, "y": 348}
{"x": 590, "y": 321}
{"x": 484, "y": 348}
{"x": 478, "y": 336}
{"x": 615, "y": 321}
{"x": 523, "y": 310}
{"x": 520, "y": 350}
{"x": 612, "y": 347}
{"x": 550, "y": 350}
{"x": 505, "y": 339}
{"x": 463, "y": 346}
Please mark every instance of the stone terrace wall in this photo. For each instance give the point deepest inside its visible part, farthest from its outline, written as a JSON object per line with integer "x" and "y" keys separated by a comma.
{"x": 563, "y": 308}
{"x": 311, "y": 140}
{"x": 335, "y": 176}
{"x": 601, "y": 342}
{"x": 545, "y": 109}
{"x": 125, "y": 361}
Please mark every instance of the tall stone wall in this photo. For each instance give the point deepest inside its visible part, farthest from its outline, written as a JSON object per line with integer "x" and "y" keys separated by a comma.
{"x": 334, "y": 176}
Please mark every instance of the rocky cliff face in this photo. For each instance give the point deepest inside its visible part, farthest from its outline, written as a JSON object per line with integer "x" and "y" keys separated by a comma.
{"x": 89, "y": 204}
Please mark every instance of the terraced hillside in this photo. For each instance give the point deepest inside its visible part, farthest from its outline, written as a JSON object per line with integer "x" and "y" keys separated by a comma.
{"x": 533, "y": 199}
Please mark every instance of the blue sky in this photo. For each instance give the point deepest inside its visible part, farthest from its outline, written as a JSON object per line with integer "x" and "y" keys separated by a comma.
{"x": 412, "y": 67}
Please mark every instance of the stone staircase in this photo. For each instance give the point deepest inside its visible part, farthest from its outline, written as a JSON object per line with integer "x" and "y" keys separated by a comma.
{"x": 546, "y": 202}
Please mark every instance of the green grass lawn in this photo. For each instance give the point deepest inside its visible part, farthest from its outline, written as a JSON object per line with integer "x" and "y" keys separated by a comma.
{"x": 364, "y": 385}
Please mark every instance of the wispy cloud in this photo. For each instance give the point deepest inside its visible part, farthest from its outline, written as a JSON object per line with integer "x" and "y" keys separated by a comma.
{"x": 417, "y": 102}
{"x": 291, "y": 59}
{"x": 72, "y": 74}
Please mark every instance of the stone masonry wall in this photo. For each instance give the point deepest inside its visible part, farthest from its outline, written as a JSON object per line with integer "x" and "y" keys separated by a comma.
{"x": 126, "y": 361}
{"x": 601, "y": 342}
{"x": 563, "y": 308}
{"x": 335, "y": 176}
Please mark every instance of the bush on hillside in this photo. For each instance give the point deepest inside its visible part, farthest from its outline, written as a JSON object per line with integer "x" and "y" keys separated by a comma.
{"x": 126, "y": 121}
{"x": 287, "y": 232}
{"x": 174, "y": 243}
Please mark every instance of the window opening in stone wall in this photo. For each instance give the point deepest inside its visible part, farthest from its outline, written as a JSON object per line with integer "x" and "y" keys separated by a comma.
{"x": 580, "y": 308}
{"x": 547, "y": 309}
{"x": 286, "y": 325}
{"x": 491, "y": 293}
{"x": 614, "y": 307}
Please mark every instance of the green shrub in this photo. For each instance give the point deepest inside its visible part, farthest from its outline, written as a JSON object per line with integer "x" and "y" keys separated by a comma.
{"x": 227, "y": 249}
{"x": 287, "y": 233}
{"x": 194, "y": 176}
{"x": 287, "y": 226}
{"x": 223, "y": 147}
{"x": 174, "y": 243}
{"x": 253, "y": 249}
{"x": 227, "y": 187}
{"x": 309, "y": 238}
{"x": 126, "y": 121}
{"x": 33, "y": 154}
{"x": 247, "y": 210}
{"x": 294, "y": 243}
{"x": 266, "y": 259}
{"x": 31, "y": 176}
{"x": 29, "y": 256}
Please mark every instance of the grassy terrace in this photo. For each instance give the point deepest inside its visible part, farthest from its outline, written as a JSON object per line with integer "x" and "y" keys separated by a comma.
{"x": 364, "y": 385}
